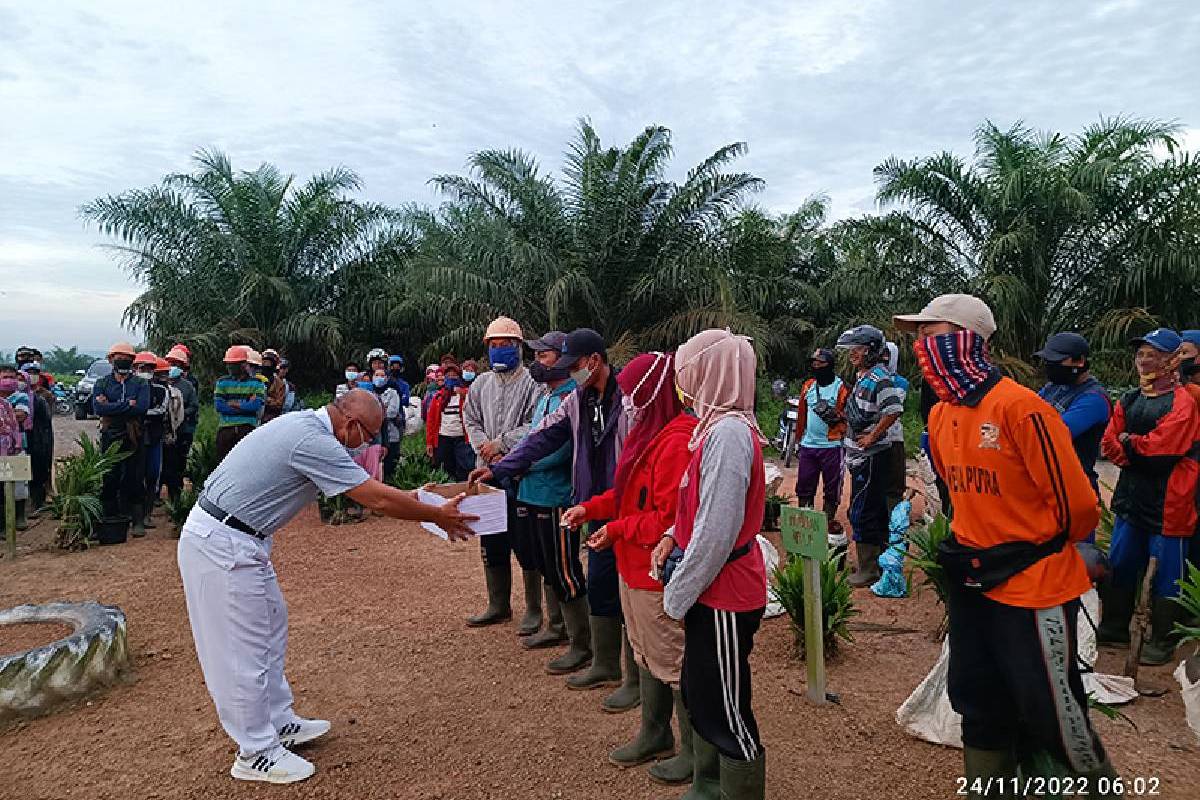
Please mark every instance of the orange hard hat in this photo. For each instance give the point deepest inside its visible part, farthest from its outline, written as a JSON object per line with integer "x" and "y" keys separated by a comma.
{"x": 179, "y": 353}
{"x": 503, "y": 328}
{"x": 161, "y": 365}
{"x": 145, "y": 357}
{"x": 253, "y": 357}
{"x": 122, "y": 349}
{"x": 237, "y": 354}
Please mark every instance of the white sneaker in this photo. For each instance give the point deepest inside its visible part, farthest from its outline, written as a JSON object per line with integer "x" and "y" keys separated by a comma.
{"x": 301, "y": 730}
{"x": 279, "y": 766}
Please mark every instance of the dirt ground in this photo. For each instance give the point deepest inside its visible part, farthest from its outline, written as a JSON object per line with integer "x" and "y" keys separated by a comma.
{"x": 423, "y": 707}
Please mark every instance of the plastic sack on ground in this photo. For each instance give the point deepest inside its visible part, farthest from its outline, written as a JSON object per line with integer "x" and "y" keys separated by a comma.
{"x": 892, "y": 582}
{"x": 773, "y": 477}
{"x": 927, "y": 713}
{"x": 771, "y": 561}
{"x": 1113, "y": 690}
{"x": 412, "y": 417}
{"x": 1191, "y": 694}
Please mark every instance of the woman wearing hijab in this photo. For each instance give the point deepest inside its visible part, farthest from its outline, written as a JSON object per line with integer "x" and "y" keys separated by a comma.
{"x": 641, "y": 506}
{"x": 712, "y": 567}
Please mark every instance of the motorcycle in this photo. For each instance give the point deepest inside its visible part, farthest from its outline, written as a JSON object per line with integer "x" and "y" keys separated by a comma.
{"x": 785, "y": 442}
{"x": 63, "y": 402}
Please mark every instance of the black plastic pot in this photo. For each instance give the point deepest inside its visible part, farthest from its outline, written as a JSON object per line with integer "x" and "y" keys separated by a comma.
{"x": 771, "y": 517}
{"x": 112, "y": 530}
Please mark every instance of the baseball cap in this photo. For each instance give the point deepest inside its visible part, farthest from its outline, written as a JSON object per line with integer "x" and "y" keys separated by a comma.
{"x": 1061, "y": 346}
{"x": 580, "y": 343}
{"x": 963, "y": 310}
{"x": 1192, "y": 336}
{"x": 861, "y": 335}
{"x": 553, "y": 340}
{"x": 823, "y": 354}
{"x": 1162, "y": 339}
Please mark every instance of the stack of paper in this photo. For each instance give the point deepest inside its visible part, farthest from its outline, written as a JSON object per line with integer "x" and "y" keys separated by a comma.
{"x": 486, "y": 502}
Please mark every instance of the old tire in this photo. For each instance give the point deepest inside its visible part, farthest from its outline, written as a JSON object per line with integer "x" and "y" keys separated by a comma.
{"x": 94, "y": 656}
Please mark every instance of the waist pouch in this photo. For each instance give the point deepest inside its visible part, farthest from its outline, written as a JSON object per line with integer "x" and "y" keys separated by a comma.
{"x": 676, "y": 556}
{"x": 985, "y": 568}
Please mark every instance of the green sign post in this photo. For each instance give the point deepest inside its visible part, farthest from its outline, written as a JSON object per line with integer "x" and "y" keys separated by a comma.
{"x": 805, "y": 536}
{"x": 13, "y": 469}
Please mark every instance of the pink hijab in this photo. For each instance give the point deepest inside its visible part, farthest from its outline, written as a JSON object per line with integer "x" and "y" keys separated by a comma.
{"x": 715, "y": 370}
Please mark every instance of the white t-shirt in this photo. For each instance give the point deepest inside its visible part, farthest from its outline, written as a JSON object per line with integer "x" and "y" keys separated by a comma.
{"x": 452, "y": 422}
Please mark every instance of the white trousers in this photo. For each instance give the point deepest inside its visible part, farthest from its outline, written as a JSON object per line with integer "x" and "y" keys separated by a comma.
{"x": 239, "y": 622}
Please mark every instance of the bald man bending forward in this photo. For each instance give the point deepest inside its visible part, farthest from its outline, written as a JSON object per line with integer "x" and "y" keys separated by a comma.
{"x": 238, "y": 616}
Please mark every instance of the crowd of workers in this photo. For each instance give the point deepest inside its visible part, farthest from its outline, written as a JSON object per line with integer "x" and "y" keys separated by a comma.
{"x": 27, "y": 404}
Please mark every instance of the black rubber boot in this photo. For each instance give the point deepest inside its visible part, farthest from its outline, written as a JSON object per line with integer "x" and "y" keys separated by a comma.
{"x": 706, "y": 772}
{"x": 868, "y": 565}
{"x": 654, "y": 739}
{"x": 22, "y": 523}
{"x": 579, "y": 654}
{"x": 744, "y": 780}
{"x": 1159, "y": 648}
{"x": 139, "y": 521}
{"x": 629, "y": 695}
{"x": 981, "y": 765}
{"x": 555, "y": 632}
{"x": 677, "y": 771}
{"x": 606, "y": 656}
{"x": 1116, "y": 610}
{"x": 149, "y": 521}
{"x": 499, "y": 589}
{"x": 531, "y": 623}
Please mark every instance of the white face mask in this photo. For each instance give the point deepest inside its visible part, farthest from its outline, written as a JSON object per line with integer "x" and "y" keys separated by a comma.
{"x": 145, "y": 375}
{"x": 633, "y": 411}
{"x": 582, "y": 375}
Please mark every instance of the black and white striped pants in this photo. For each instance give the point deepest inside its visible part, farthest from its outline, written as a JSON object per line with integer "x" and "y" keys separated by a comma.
{"x": 715, "y": 679}
{"x": 555, "y": 549}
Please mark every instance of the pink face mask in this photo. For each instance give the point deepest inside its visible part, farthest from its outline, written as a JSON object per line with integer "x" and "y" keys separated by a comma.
{"x": 8, "y": 385}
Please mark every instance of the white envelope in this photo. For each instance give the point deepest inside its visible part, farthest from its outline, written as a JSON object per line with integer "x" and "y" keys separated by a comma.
{"x": 486, "y": 502}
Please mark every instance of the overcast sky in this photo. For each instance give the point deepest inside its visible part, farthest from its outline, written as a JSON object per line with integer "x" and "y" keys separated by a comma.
{"x": 96, "y": 98}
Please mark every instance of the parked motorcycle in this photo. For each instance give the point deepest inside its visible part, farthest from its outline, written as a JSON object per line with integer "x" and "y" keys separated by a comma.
{"x": 63, "y": 400}
{"x": 785, "y": 442}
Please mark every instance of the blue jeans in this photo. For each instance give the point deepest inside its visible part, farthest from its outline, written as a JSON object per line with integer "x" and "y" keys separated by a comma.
{"x": 1130, "y": 552}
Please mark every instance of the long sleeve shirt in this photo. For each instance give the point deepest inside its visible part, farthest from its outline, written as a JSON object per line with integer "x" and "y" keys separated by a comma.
{"x": 247, "y": 392}
{"x": 499, "y": 408}
{"x": 191, "y": 405}
{"x": 119, "y": 402}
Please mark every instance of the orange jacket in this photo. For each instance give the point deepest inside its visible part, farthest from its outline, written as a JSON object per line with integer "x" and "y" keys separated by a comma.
{"x": 1013, "y": 475}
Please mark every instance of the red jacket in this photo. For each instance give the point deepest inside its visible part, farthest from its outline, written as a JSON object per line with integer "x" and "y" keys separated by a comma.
{"x": 648, "y": 503}
{"x": 433, "y": 418}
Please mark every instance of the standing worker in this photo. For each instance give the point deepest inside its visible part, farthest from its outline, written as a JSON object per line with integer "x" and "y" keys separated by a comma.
{"x": 820, "y": 429}
{"x": 1019, "y": 496}
{"x": 238, "y": 397}
{"x": 153, "y": 432}
{"x": 176, "y": 456}
{"x": 276, "y": 386}
{"x": 41, "y": 436}
{"x": 237, "y": 613}
{"x": 121, "y": 399}
{"x": 496, "y": 416}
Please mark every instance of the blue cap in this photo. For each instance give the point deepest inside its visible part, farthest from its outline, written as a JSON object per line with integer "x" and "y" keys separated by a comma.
{"x": 395, "y": 359}
{"x": 1061, "y": 346}
{"x": 1164, "y": 340}
{"x": 1191, "y": 336}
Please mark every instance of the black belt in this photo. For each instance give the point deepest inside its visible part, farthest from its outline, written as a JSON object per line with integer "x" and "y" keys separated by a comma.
{"x": 217, "y": 513}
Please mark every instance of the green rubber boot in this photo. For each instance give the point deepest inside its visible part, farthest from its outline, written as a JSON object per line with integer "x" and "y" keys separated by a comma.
{"x": 499, "y": 589}
{"x": 979, "y": 766}
{"x": 677, "y": 771}
{"x": 654, "y": 739}
{"x": 606, "y": 656}
{"x": 139, "y": 520}
{"x": 531, "y": 623}
{"x": 555, "y": 632}
{"x": 1116, "y": 610}
{"x": 1164, "y": 612}
{"x": 706, "y": 771}
{"x": 579, "y": 654}
{"x": 744, "y": 780}
{"x": 629, "y": 695}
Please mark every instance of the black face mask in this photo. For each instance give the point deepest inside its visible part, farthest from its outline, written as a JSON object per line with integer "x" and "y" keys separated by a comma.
{"x": 823, "y": 375}
{"x": 1186, "y": 362}
{"x": 123, "y": 366}
{"x": 269, "y": 372}
{"x": 1062, "y": 374}
{"x": 543, "y": 374}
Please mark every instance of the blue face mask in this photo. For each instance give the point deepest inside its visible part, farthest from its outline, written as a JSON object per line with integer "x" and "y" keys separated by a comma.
{"x": 506, "y": 358}
{"x": 453, "y": 383}
{"x": 379, "y": 381}
{"x": 175, "y": 372}
{"x": 468, "y": 376}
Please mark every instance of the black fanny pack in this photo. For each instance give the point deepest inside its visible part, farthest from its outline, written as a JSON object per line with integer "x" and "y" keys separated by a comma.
{"x": 985, "y": 568}
{"x": 668, "y": 567}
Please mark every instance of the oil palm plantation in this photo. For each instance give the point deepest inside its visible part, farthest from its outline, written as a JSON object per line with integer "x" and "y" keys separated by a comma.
{"x": 253, "y": 257}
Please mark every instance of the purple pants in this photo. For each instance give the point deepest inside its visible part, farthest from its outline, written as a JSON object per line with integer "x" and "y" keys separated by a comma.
{"x": 824, "y": 464}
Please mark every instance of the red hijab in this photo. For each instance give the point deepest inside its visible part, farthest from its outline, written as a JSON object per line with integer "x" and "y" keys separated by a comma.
{"x": 648, "y": 391}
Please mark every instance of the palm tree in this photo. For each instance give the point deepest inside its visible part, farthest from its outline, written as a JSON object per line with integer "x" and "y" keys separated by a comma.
{"x": 1092, "y": 232}
{"x": 250, "y": 257}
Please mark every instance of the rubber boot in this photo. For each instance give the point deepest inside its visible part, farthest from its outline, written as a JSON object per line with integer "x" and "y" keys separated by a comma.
{"x": 1159, "y": 648}
{"x": 677, "y": 771}
{"x": 630, "y": 694}
{"x": 579, "y": 654}
{"x": 139, "y": 521}
{"x": 37, "y": 501}
{"x": 868, "y": 565}
{"x": 981, "y": 765}
{"x": 555, "y": 632}
{"x": 744, "y": 780}
{"x": 149, "y": 521}
{"x": 606, "y": 656}
{"x": 654, "y": 739}
{"x": 531, "y": 623}
{"x": 1116, "y": 610}
{"x": 706, "y": 771}
{"x": 22, "y": 523}
{"x": 499, "y": 589}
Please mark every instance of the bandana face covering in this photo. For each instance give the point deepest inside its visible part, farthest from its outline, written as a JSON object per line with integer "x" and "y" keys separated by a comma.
{"x": 1162, "y": 380}
{"x": 956, "y": 365}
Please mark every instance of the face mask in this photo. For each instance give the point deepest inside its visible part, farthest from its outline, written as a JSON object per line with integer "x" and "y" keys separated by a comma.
{"x": 453, "y": 383}
{"x": 379, "y": 381}
{"x": 145, "y": 375}
{"x": 543, "y": 374}
{"x": 468, "y": 376}
{"x": 397, "y": 371}
{"x": 175, "y": 373}
{"x": 123, "y": 366}
{"x": 8, "y": 385}
{"x": 268, "y": 371}
{"x": 504, "y": 358}
{"x": 351, "y": 376}
{"x": 582, "y": 375}
{"x": 1062, "y": 374}
{"x": 634, "y": 411}
{"x": 823, "y": 375}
